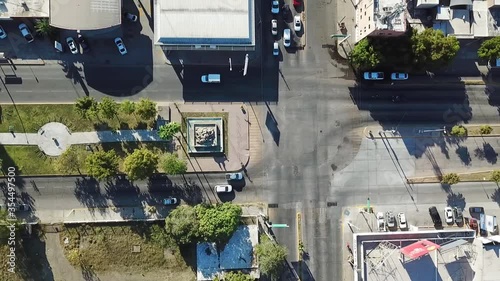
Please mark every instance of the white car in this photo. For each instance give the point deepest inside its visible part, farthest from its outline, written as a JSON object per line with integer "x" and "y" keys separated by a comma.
{"x": 130, "y": 17}
{"x": 286, "y": 37}
{"x": 274, "y": 27}
{"x": 223, "y": 188}
{"x": 234, "y": 176}
{"x": 72, "y": 45}
{"x": 297, "y": 25}
{"x": 402, "y": 220}
{"x": 121, "y": 47}
{"x": 275, "y": 8}
{"x": 26, "y": 33}
{"x": 3, "y": 34}
{"x": 448, "y": 215}
{"x": 380, "y": 221}
{"x": 276, "y": 49}
{"x": 399, "y": 76}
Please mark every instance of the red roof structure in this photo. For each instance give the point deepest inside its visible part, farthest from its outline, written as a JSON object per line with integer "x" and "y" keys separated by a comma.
{"x": 418, "y": 249}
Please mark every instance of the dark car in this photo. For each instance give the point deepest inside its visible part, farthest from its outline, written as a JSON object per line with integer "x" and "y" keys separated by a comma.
{"x": 83, "y": 42}
{"x": 476, "y": 212}
{"x": 436, "y": 219}
{"x": 457, "y": 215}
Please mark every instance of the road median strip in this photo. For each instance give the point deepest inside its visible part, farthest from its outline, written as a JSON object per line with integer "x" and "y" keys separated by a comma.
{"x": 483, "y": 176}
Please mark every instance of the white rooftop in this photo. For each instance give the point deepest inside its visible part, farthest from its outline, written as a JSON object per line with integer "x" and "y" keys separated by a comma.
{"x": 459, "y": 25}
{"x": 31, "y": 8}
{"x": 85, "y": 14}
{"x": 202, "y": 22}
{"x": 390, "y": 14}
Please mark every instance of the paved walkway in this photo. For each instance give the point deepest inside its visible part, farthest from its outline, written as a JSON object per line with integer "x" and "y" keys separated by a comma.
{"x": 54, "y": 138}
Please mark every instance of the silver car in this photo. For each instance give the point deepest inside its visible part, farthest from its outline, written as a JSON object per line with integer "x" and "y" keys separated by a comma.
{"x": 399, "y": 76}
{"x": 286, "y": 37}
{"x": 234, "y": 176}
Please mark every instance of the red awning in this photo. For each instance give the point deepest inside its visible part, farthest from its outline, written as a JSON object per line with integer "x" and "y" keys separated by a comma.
{"x": 419, "y": 249}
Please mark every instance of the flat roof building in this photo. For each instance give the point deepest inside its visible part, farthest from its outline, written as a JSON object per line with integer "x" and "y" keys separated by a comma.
{"x": 24, "y": 9}
{"x": 85, "y": 14}
{"x": 205, "y": 25}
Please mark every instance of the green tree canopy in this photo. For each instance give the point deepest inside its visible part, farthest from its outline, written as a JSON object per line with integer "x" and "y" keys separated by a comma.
{"x": 70, "y": 161}
{"x": 271, "y": 256}
{"x": 218, "y": 222}
{"x": 431, "y": 48}
{"x": 86, "y": 107}
{"x": 490, "y": 49}
{"x": 6, "y": 219}
{"x": 167, "y": 131}
{"x": 182, "y": 224}
{"x": 127, "y": 107}
{"x": 172, "y": 165}
{"x": 140, "y": 164}
{"x": 108, "y": 108}
{"x": 146, "y": 109}
{"x": 495, "y": 176}
{"x": 450, "y": 178}
{"x": 365, "y": 56}
{"x": 459, "y": 131}
{"x": 235, "y": 276}
{"x": 102, "y": 164}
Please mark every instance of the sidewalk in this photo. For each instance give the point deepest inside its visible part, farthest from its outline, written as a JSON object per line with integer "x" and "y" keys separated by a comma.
{"x": 346, "y": 23}
{"x": 116, "y": 214}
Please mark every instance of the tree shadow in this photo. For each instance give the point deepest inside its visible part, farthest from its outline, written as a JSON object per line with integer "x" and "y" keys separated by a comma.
{"x": 88, "y": 274}
{"x": 463, "y": 153}
{"x": 456, "y": 200}
{"x": 490, "y": 153}
{"x": 495, "y": 197}
{"x": 33, "y": 263}
{"x": 189, "y": 192}
{"x": 88, "y": 192}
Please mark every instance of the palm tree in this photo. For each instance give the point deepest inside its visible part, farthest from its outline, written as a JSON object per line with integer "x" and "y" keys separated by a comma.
{"x": 44, "y": 28}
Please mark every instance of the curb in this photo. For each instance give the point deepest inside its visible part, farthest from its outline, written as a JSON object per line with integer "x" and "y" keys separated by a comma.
{"x": 437, "y": 181}
{"x": 376, "y": 135}
{"x": 16, "y": 62}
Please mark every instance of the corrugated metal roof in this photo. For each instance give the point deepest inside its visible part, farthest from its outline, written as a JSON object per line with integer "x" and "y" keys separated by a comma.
{"x": 205, "y": 22}
{"x": 85, "y": 14}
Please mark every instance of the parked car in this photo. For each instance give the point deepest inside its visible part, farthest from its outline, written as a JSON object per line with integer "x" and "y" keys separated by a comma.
{"x": 72, "y": 46}
{"x": 274, "y": 27}
{"x": 380, "y": 221}
{"x": 297, "y": 24}
{"x": 83, "y": 43}
{"x": 275, "y": 7}
{"x": 402, "y": 220}
{"x": 448, "y": 215}
{"x": 373, "y": 75}
{"x": 130, "y": 17}
{"x": 276, "y": 49}
{"x": 286, "y": 37}
{"x": 121, "y": 47}
{"x": 3, "y": 34}
{"x": 286, "y": 12}
{"x": 390, "y": 219}
{"x": 26, "y": 33}
{"x": 297, "y": 3}
{"x": 457, "y": 215}
{"x": 223, "y": 188}
{"x": 399, "y": 76}
{"x": 234, "y": 176}
{"x": 436, "y": 219}
{"x": 170, "y": 201}
{"x": 476, "y": 212}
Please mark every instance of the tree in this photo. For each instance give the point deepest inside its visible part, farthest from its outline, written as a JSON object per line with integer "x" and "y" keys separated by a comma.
{"x": 218, "y": 222}
{"x": 485, "y": 129}
{"x": 271, "y": 257}
{"x": 140, "y": 164}
{"x": 127, "y": 107}
{"x": 108, "y": 108}
{"x": 182, "y": 225}
{"x": 459, "y": 131}
{"x": 86, "y": 107}
{"x": 167, "y": 131}
{"x": 495, "y": 176}
{"x": 450, "y": 178}
{"x": 364, "y": 55}
{"x": 490, "y": 49}
{"x": 172, "y": 165}
{"x": 70, "y": 161}
{"x": 431, "y": 48}
{"x": 102, "y": 164}
{"x": 146, "y": 109}
{"x": 44, "y": 28}
{"x": 235, "y": 276}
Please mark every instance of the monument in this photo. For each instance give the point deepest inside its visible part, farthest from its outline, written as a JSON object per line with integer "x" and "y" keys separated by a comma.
{"x": 205, "y": 135}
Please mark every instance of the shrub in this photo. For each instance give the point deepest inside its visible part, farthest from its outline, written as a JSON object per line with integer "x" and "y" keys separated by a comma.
{"x": 495, "y": 176}
{"x": 485, "y": 129}
{"x": 459, "y": 131}
{"x": 450, "y": 178}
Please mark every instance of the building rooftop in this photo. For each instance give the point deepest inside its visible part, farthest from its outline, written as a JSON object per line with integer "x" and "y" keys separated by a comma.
{"x": 85, "y": 14}
{"x": 390, "y": 14}
{"x": 201, "y": 22}
{"x": 24, "y": 9}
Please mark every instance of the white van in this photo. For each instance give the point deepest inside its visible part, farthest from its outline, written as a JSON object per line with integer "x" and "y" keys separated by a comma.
{"x": 210, "y": 78}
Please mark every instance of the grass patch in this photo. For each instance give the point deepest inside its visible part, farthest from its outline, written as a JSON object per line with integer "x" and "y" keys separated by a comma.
{"x": 223, "y": 115}
{"x": 31, "y": 117}
{"x": 29, "y": 160}
{"x": 465, "y": 177}
{"x": 110, "y": 248}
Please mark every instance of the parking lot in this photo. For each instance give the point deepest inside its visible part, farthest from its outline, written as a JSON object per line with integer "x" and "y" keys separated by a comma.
{"x": 137, "y": 37}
